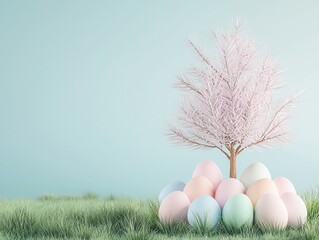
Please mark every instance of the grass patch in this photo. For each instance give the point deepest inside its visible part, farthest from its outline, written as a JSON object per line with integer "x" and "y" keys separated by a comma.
{"x": 92, "y": 217}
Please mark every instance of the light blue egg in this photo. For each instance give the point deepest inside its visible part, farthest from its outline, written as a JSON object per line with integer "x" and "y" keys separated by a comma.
{"x": 238, "y": 212}
{"x": 204, "y": 211}
{"x": 172, "y": 187}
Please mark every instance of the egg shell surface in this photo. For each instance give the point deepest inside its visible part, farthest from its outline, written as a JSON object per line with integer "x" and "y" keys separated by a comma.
{"x": 198, "y": 186}
{"x": 297, "y": 211}
{"x": 271, "y": 212}
{"x": 253, "y": 173}
{"x": 226, "y": 189}
{"x": 260, "y": 188}
{"x": 238, "y": 212}
{"x": 210, "y": 170}
{"x": 174, "y": 208}
{"x": 284, "y": 185}
{"x": 172, "y": 187}
{"x": 204, "y": 211}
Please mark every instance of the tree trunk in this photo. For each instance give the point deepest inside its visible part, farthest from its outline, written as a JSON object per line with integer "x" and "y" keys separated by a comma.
{"x": 232, "y": 159}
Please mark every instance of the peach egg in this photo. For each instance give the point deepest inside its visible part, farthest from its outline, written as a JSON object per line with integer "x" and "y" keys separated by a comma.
{"x": 260, "y": 188}
{"x": 197, "y": 187}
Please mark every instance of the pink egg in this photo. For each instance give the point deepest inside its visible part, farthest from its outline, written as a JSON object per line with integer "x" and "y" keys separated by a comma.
{"x": 297, "y": 211}
{"x": 174, "y": 208}
{"x": 226, "y": 189}
{"x": 210, "y": 170}
{"x": 271, "y": 212}
{"x": 260, "y": 188}
{"x": 284, "y": 185}
{"x": 197, "y": 187}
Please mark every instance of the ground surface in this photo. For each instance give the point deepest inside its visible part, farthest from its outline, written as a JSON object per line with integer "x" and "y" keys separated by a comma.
{"x": 91, "y": 217}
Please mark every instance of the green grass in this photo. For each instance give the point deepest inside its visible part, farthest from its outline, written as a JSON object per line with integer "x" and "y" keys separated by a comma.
{"x": 92, "y": 217}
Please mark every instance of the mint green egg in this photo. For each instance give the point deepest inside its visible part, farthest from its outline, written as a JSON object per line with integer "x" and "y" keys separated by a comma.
{"x": 238, "y": 212}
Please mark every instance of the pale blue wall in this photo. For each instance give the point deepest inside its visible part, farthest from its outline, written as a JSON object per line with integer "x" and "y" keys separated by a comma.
{"x": 85, "y": 91}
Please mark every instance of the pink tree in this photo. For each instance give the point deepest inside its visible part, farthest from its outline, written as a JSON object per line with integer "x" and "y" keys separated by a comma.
{"x": 230, "y": 103}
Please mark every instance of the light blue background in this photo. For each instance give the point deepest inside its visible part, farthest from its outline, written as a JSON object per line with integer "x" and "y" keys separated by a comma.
{"x": 85, "y": 91}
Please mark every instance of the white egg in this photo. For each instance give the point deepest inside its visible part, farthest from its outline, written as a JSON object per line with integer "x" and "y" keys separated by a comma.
{"x": 253, "y": 173}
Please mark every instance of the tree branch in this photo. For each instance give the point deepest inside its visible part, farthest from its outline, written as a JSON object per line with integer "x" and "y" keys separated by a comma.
{"x": 276, "y": 114}
{"x": 205, "y": 59}
{"x": 176, "y": 134}
{"x": 237, "y": 150}
{"x": 184, "y": 83}
{"x": 260, "y": 141}
{"x": 193, "y": 121}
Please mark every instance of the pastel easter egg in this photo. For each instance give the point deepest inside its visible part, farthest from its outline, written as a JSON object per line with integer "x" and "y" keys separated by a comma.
{"x": 226, "y": 189}
{"x": 238, "y": 212}
{"x": 253, "y": 173}
{"x": 174, "y": 208}
{"x": 204, "y": 211}
{"x": 198, "y": 186}
{"x": 297, "y": 211}
{"x": 172, "y": 187}
{"x": 260, "y": 188}
{"x": 284, "y": 185}
{"x": 271, "y": 212}
{"x": 210, "y": 170}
